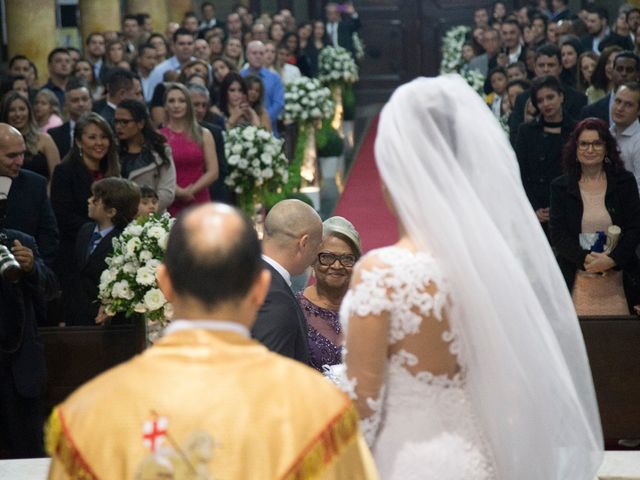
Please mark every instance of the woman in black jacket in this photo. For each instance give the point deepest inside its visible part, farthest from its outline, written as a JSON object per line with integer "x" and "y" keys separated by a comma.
{"x": 539, "y": 144}
{"x": 595, "y": 193}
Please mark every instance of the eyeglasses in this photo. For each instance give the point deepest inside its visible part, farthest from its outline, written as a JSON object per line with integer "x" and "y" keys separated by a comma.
{"x": 347, "y": 260}
{"x": 598, "y": 146}
{"x": 123, "y": 121}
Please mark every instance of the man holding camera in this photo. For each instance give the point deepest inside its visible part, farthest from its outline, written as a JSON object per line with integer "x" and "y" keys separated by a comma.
{"x": 25, "y": 281}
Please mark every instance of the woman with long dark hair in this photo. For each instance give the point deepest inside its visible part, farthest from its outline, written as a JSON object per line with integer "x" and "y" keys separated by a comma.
{"x": 234, "y": 104}
{"x": 145, "y": 156}
{"x": 594, "y": 194}
{"x": 601, "y": 82}
{"x": 539, "y": 144}
{"x": 94, "y": 156}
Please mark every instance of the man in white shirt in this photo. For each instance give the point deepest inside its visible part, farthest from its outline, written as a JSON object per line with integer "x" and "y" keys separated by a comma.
{"x": 339, "y": 28}
{"x": 626, "y": 128}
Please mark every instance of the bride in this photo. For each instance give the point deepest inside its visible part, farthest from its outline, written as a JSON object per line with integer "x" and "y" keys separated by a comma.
{"x": 464, "y": 355}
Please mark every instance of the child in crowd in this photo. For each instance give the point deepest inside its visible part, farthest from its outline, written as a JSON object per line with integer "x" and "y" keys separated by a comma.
{"x": 148, "y": 201}
{"x": 498, "y": 81}
{"x": 113, "y": 204}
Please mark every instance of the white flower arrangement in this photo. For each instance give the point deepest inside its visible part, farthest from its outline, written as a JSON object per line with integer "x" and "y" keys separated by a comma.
{"x": 336, "y": 65}
{"x": 129, "y": 284}
{"x": 358, "y": 46}
{"x": 452, "y": 42}
{"x": 453, "y": 62}
{"x": 475, "y": 79}
{"x": 306, "y": 100}
{"x": 256, "y": 161}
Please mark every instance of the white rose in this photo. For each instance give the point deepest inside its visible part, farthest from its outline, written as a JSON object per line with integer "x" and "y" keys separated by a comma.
{"x": 243, "y": 163}
{"x": 256, "y": 172}
{"x": 154, "y": 299}
{"x": 315, "y": 112}
{"x": 145, "y": 255}
{"x": 252, "y": 152}
{"x": 130, "y": 268}
{"x": 163, "y": 240}
{"x": 145, "y": 276}
{"x": 121, "y": 289}
{"x": 267, "y": 173}
{"x": 255, "y": 163}
{"x": 266, "y": 158}
{"x": 133, "y": 230}
{"x": 236, "y": 149}
{"x": 153, "y": 264}
{"x": 156, "y": 232}
{"x": 264, "y": 135}
{"x": 107, "y": 276}
{"x": 117, "y": 260}
{"x": 132, "y": 245}
{"x": 239, "y": 189}
{"x": 249, "y": 133}
{"x": 234, "y": 159}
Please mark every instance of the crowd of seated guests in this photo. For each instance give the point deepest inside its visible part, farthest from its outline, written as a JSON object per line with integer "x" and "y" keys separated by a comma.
{"x": 149, "y": 107}
{"x": 566, "y": 86}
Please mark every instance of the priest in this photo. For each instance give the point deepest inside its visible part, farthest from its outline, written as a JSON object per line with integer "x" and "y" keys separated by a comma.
{"x": 206, "y": 401}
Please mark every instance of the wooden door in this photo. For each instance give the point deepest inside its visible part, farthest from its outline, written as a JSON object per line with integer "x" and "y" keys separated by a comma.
{"x": 402, "y": 39}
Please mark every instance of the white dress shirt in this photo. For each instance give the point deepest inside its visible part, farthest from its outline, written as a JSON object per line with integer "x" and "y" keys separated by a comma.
{"x": 213, "y": 325}
{"x": 629, "y": 143}
{"x": 279, "y": 268}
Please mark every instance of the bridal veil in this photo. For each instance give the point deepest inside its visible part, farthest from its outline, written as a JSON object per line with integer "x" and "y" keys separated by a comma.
{"x": 454, "y": 180}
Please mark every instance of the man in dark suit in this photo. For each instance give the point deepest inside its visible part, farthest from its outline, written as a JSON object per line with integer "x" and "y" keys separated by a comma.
{"x": 340, "y": 28}
{"x": 22, "y": 361}
{"x": 95, "y": 51}
{"x": 600, "y": 35}
{"x": 77, "y": 101}
{"x": 28, "y": 208}
{"x": 548, "y": 62}
{"x": 626, "y": 68}
{"x": 121, "y": 84}
{"x": 292, "y": 236}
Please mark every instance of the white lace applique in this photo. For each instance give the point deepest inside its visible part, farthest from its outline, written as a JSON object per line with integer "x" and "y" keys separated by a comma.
{"x": 398, "y": 287}
{"x": 371, "y": 424}
{"x": 397, "y": 363}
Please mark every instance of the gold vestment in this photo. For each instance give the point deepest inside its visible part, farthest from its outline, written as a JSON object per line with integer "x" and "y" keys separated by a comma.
{"x": 207, "y": 404}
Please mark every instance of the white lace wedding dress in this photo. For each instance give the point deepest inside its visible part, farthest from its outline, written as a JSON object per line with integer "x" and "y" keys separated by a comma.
{"x": 419, "y": 419}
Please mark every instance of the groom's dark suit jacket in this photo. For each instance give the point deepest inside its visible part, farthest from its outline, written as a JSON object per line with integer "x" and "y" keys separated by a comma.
{"x": 281, "y": 325}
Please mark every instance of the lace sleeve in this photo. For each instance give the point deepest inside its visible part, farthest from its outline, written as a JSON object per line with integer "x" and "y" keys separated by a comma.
{"x": 368, "y": 309}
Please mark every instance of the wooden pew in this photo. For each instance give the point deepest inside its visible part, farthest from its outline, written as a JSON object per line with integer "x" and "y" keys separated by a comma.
{"x": 613, "y": 347}
{"x": 78, "y": 354}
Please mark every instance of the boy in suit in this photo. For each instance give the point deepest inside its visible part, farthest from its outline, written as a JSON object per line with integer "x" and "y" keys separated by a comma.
{"x": 113, "y": 204}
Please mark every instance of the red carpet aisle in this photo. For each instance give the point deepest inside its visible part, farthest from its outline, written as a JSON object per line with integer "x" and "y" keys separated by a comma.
{"x": 362, "y": 202}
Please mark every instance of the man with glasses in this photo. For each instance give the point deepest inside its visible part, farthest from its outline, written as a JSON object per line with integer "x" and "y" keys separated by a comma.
{"x": 292, "y": 237}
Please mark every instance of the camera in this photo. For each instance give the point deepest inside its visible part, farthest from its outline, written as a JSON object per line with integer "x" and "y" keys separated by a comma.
{"x": 9, "y": 267}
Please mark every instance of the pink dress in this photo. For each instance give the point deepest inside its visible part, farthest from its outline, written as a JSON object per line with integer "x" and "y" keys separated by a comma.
{"x": 188, "y": 157}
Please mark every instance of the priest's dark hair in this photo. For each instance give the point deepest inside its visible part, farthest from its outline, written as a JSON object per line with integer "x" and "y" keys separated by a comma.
{"x": 213, "y": 272}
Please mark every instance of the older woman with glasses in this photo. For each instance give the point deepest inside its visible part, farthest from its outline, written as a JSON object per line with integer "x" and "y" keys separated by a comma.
{"x": 339, "y": 251}
{"x": 595, "y": 223}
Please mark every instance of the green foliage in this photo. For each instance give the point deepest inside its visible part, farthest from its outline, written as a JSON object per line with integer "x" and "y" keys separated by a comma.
{"x": 348, "y": 103}
{"x": 329, "y": 143}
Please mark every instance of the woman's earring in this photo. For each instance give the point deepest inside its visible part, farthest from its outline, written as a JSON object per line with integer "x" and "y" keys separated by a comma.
{"x": 80, "y": 150}
{"x": 607, "y": 159}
